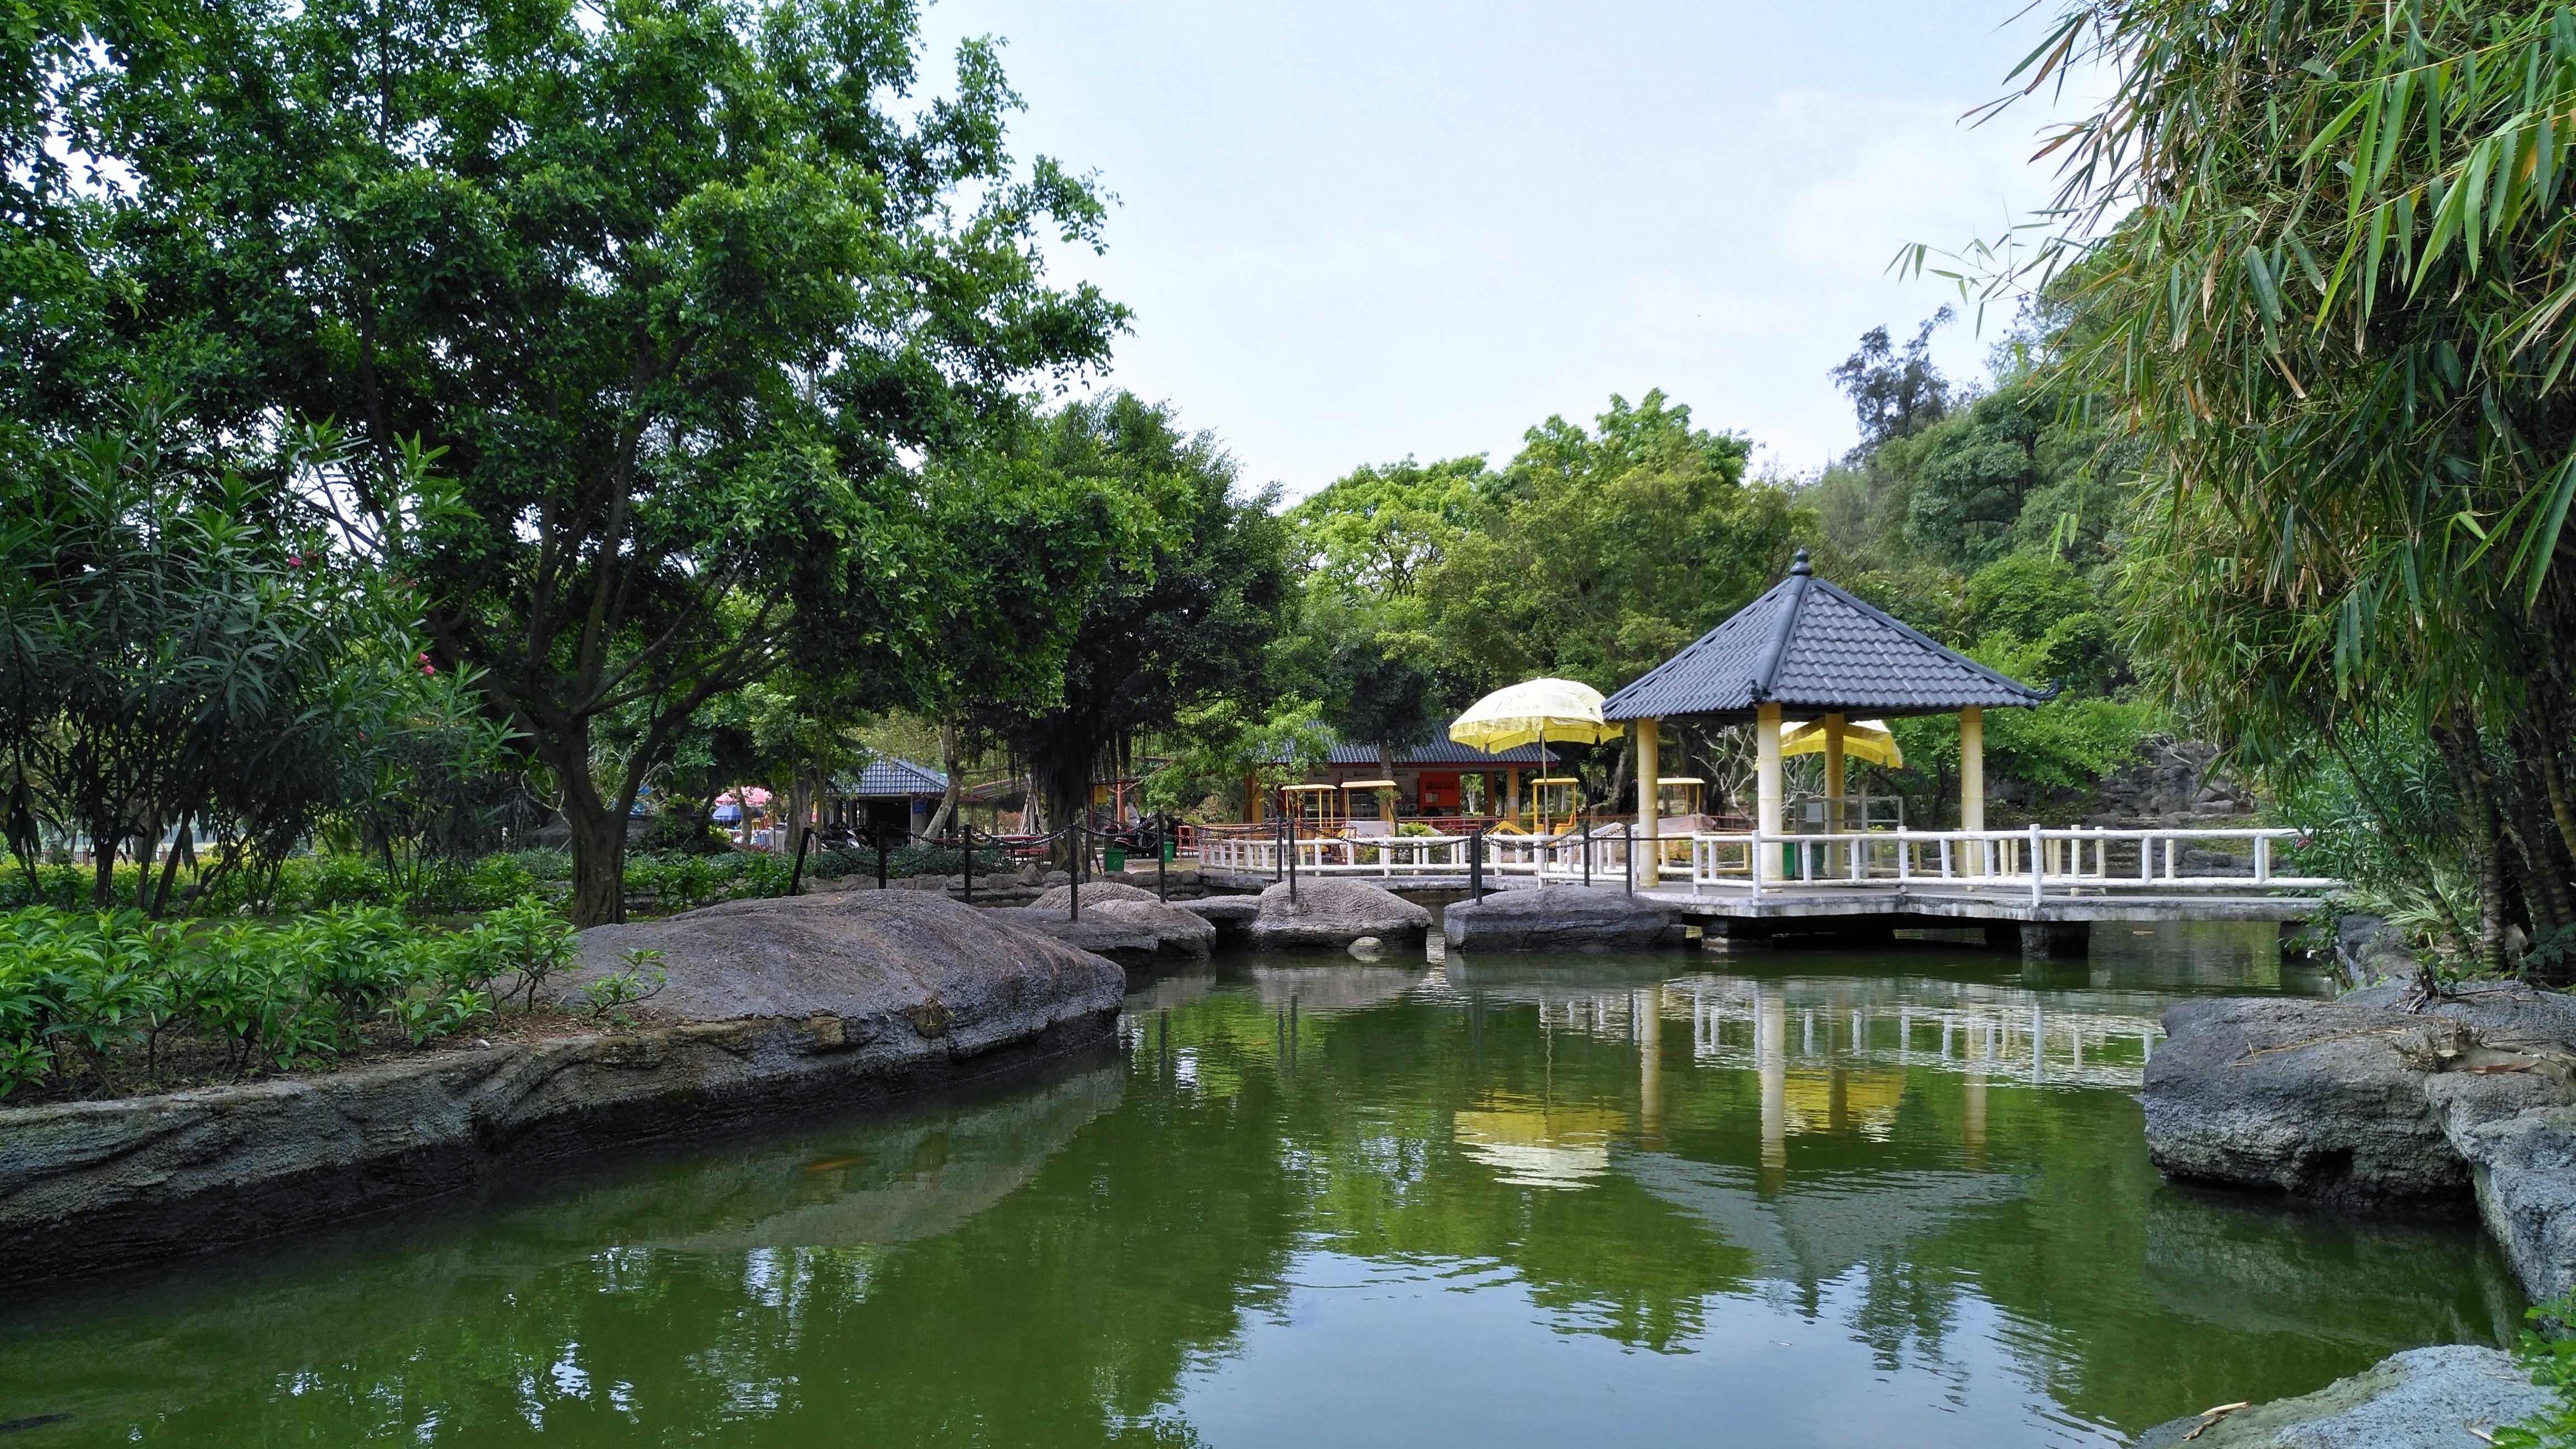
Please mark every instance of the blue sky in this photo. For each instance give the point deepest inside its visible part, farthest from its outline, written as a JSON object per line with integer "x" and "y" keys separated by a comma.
{"x": 1352, "y": 232}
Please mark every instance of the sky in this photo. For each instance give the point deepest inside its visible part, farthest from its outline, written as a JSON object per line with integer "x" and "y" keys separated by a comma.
{"x": 1356, "y": 232}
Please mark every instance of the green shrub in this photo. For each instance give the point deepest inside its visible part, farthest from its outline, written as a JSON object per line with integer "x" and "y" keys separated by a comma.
{"x": 2548, "y": 1349}
{"x": 98, "y": 997}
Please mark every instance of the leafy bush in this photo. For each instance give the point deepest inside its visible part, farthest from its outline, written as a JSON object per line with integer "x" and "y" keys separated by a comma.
{"x": 2548, "y": 1349}
{"x": 680, "y": 881}
{"x": 96, "y": 998}
{"x": 906, "y": 860}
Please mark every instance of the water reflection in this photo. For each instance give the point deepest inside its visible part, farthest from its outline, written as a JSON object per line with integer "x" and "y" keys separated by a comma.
{"x": 1850, "y": 1200}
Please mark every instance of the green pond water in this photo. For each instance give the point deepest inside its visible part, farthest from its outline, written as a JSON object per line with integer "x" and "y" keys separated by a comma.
{"x": 1798, "y": 1199}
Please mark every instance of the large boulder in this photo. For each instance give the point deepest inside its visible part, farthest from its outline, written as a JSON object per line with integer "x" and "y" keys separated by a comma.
{"x": 1122, "y": 922}
{"x": 1232, "y": 916}
{"x": 866, "y": 958}
{"x": 2352, "y": 1101}
{"x": 2424, "y": 1398}
{"x": 1331, "y": 911}
{"x": 1558, "y": 918}
{"x": 2318, "y": 1099}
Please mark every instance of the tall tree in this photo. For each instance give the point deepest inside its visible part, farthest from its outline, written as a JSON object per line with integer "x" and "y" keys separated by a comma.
{"x": 1601, "y": 551}
{"x": 670, "y": 289}
{"x": 1165, "y": 628}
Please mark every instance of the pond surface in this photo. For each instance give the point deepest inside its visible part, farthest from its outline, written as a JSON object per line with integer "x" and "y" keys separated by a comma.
{"x": 1795, "y": 1199}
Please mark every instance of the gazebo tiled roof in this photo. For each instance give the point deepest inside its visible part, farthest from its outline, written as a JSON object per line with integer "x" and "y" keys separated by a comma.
{"x": 1814, "y": 650}
{"x": 888, "y": 777}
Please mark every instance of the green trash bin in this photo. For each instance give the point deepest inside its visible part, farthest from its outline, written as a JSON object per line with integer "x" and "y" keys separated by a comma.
{"x": 1114, "y": 859}
{"x": 1171, "y": 851}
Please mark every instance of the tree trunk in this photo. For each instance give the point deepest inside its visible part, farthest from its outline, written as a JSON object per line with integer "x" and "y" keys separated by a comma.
{"x": 1619, "y": 779}
{"x": 598, "y": 835}
{"x": 948, "y": 803}
{"x": 2485, "y": 831}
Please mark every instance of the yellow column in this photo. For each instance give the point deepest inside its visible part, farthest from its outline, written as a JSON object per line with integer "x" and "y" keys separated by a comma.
{"x": 1766, "y": 776}
{"x": 1833, "y": 784}
{"x": 1972, "y": 777}
{"x": 1650, "y": 811}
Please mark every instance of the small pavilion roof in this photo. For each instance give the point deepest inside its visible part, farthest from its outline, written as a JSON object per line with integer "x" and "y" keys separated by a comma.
{"x": 889, "y": 778}
{"x": 1814, "y": 650}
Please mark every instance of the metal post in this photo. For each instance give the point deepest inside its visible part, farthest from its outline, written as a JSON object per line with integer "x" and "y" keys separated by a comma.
{"x": 1292, "y": 862}
{"x": 1073, "y": 877}
{"x": 1628, "y": 853}
{"x": 881, "y": 857}
{"x": 1476, "y": 864}
{"x": 970, "y": 863}
{"x": 1587, "y": 852}
{"x": 796, "y": 873}
{"x": 1159, "y": 869}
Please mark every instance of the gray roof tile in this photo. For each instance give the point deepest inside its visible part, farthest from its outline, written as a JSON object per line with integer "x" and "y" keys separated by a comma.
{"x": 1813, "y": 649}
{"x": 890, "y": 777}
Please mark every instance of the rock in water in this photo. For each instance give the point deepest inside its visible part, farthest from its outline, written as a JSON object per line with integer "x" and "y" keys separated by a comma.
{"x": 2317, "y": 1099}
{"x": 1231, "y": 915}
{"x": 2351, "y": 1102}
{"x": 1331, "y": 911}
{"x": 1558, "y": 918}
{"x": 1122, "y": 922}
{"x": 946, "y": 968}
{"x": 2424, "y": 1398}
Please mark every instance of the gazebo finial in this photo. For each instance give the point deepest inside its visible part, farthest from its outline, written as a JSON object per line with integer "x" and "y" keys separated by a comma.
{"x": 1799, "y": 567}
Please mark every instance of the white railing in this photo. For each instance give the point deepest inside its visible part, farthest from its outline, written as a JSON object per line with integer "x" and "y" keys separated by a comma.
{"x": 2036, "y": 860}
{"x": 1566, "y": 857}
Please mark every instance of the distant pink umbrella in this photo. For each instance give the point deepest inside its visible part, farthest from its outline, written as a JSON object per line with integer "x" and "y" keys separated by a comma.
{"x": 755, "y": 797}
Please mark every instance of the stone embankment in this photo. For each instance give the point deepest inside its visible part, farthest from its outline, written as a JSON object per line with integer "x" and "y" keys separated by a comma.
{"x": 800, "y": 1004}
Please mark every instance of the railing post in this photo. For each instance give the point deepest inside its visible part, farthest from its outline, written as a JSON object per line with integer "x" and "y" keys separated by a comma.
{"x": 1292, "y": 862}
{"x": 1073, "y": 877}
{"x": 881, "y": 857}
{"x": 1476, "y": 864}
{"x": 1754, "y": 859}
{"x": 796, "y": 872}
{"x": 1628, "y": 854}
{"x": 970, "y": 862}
{"x": 2037, "y": 862}
{"x": 2262, "y": 859}
{"x": 1161, "y": 866}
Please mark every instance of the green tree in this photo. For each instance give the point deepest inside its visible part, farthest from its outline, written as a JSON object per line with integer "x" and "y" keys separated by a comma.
{"x": 1599, "y": 552}
{"x": 1167, "y": 628}
{"x": 183, "y": 653}
{"x": 670, "y": 285}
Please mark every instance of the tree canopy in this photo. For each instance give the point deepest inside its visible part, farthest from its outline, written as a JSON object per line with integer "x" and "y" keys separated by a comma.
{"x": 668, "y": 289}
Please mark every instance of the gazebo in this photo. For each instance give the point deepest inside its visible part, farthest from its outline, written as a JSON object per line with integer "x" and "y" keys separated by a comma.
{"x": 1807, "y": 651}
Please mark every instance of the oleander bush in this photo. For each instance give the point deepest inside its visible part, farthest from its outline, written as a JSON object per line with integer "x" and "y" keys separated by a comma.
{"x": 97, "y": 1002}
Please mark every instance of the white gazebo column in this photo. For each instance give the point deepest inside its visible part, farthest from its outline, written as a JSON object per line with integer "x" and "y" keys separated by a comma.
{"x": 1766, "y": 788}
{"x": 1972, "y": 779}
{"x": 1645, "y": 853}
{"x": 1833, "y": 786}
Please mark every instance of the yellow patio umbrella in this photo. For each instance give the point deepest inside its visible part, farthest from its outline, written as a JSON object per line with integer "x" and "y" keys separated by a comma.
{"x": 1863, "y": 739}
{"x": 1532, "y": 712}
